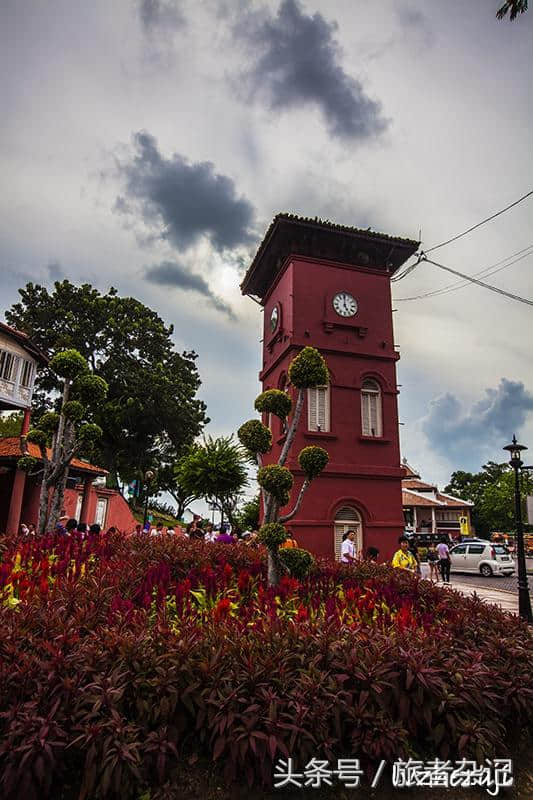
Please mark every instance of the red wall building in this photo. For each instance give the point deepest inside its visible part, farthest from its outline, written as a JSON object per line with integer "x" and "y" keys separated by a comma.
{"x": 329, "y": 287}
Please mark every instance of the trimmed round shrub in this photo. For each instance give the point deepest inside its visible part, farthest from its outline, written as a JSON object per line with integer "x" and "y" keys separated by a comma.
{"x": 27, "y": 463}
{"x": 313, "y": 460}
{"x": 298, "y": 561}
{"x": 90, "y": 432}
{"x": 272, "y": 534}
{"x": 68, "y": 364}
{"x": 74, "y": 410}
{"x": 36, "y": 436}
{"x": 308, "y": 369}
{"x": 275, "y": 479}
{"x": 274, "y": 401}
{"x": 255, "y": 436}
{"x": 91, "y": 389}
{"x": 49, "y": 422}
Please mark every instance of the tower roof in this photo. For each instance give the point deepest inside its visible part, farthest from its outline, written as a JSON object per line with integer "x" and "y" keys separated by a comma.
{"x": 291, "y": 235}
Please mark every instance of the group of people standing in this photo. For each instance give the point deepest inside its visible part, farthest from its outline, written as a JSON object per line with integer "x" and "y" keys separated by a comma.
{"x": 406, "y": 557}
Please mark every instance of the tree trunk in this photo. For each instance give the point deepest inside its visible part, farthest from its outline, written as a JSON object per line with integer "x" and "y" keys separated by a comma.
{"x": 43, "y": 500}
{"x": 276, "y": 567}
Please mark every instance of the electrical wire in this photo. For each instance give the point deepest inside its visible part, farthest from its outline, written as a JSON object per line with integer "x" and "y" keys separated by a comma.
{"x": 479, "y": 224}
{"x": 510, "y": 295}
{"x": 492, "y": 269}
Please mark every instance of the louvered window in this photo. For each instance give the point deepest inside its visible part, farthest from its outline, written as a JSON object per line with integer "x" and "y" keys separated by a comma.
{"x": 318, "y": 409}
{"x": 347, "y": 519}
{"x": 8, "y": 365}
{"x": 371, "y": 409}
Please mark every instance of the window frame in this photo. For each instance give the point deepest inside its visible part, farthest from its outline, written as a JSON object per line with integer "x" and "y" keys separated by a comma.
{"x": 370, "y": 388}
{"x": 314, "y": 425}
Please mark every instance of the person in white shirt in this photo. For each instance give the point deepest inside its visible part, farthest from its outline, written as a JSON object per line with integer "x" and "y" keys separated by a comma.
{"x": 348, "y": 547}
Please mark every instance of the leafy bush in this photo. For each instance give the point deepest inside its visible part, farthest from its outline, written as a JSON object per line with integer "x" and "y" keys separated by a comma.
{"x": 27, "y": 463}
{"x": 68, "y": 364}
{"x": 74, "y": 410}
{"x": 255, "y": 437}
{"x": 276, "y": 480}
{"x": 49, "y": 422}
{"x": 312, "y": 461}
{"x": 35, "y": 436}
{"x": 308, "y": 369}
{"x": 90, "y": 389}
{"x": 298, "y": 561}
{"x": 122, "y": 659}
{"x": 272, "y": 534}
{"x": 274, "y": 401}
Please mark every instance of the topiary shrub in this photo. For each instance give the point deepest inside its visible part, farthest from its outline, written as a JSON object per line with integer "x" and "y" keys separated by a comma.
{"x": 274, "y": 401}
{"x": 90, "y": 389}
{"x": 308, "y": 369}
{"x": 37, "y": 437}
{"x": 298, "y": 561}
{"x": 68, "y": 364}
{"x": 27, "y": 463}
{"x": 255, "y": 437}
{"x": 272, "y": 534}
{"x": 276, "y": 480}
{"x": 73, "y": 410}
{"x": 312, "y": 461}
{"x": 89, "y": 433}
{"x": 49, "y": 422}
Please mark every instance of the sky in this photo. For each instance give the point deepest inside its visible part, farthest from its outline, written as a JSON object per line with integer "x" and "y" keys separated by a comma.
{"x": 147, "y": 144}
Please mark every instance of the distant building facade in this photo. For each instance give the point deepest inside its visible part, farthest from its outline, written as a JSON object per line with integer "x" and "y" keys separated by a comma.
{"x": 426, "y": 509}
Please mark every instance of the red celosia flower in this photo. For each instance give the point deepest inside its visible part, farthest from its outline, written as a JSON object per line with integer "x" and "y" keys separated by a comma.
{"x": 222, "y": 609}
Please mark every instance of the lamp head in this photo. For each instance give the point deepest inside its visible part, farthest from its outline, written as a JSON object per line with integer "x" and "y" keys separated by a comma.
{"x": 148, "y": 475}
{"x": 515, "y": 450}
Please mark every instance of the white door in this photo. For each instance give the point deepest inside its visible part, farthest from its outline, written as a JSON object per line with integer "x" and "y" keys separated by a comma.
{"x": 78, "y": 507}
{"x": 347, "y": 519}
{"x": 101, "y": 511}
{"x": 458, "y": 558}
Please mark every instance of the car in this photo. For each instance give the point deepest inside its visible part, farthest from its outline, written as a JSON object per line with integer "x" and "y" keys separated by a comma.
{"x": 481, "y": 556}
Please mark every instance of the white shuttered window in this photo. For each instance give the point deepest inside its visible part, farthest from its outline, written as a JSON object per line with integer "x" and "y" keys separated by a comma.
{"x": 371, "y": 409}
{"x": 318, "y": 409}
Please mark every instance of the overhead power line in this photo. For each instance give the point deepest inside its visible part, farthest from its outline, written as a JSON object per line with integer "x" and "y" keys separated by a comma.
{"x": 492, "y": 269}
{"x": 510, "y": 295}
{"x": 483, "y": 222}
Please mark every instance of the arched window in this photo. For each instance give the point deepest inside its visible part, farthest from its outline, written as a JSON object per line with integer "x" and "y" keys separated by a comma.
{"x": 371, "y": 417}
{"x": 347, "y": 519}
{"x": 318, "y": 409}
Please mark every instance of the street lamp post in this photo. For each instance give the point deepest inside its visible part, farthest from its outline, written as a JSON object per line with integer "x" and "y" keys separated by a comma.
{"x": 148, "y": 476}
{"x": 524, "y": 600}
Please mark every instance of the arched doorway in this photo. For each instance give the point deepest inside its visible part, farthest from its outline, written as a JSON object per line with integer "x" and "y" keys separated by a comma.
{"x": 348, "y": 518}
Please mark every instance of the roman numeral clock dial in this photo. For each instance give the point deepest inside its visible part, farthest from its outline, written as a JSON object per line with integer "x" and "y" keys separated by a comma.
{"x": 345, "y": 304}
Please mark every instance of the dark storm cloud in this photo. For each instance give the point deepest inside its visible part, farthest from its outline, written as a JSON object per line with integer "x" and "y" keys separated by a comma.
{"x": 489, "y": 425}
{"x": 183, "y": 201}
{"x": 175, "y": 275}
{"x": 163, "y": 14}
{"x": 297, "y": 63}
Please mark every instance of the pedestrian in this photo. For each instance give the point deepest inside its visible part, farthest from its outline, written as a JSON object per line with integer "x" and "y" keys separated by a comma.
{"x": 82, "y": 529}
{"x": 94, "y": 529}
{"x": 194, "y": 531}
{"x": 444, "y": 559}
{"x": 158, "y": 530}
{"x": 24, "y": 530}
{"x": 348, "y": 547}
{"x": 210, "y": 533}
{"x": 433, "y": 562}
{"x": 31, "y": 529}
{"x": 372, "y": 554}
{"x": 225, "y": 538}
{"x": 71, "y": 525}
{"x": 403, "y": 558}
{"x": 413, "y": 549}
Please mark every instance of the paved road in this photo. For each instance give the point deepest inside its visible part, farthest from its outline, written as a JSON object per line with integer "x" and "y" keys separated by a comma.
{"x": 510, "y": 584}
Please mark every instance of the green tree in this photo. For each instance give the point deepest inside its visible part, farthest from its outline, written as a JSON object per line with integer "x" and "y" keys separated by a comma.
{"x": 10, "y": 424}
{"x": 512, "y": 8}
{"x": 248, "y": 515}
{"x": 307, "y": 370}
{"x": 492, "y": 492}
{"x": 152, "y": 388}
{"x": 215, "y": 470}
{"x": 68, "y": 432}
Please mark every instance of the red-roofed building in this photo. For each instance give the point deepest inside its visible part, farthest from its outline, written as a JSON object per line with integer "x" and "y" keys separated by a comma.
{"x": 426, "y": 509}
{"x": 86, "y": 496}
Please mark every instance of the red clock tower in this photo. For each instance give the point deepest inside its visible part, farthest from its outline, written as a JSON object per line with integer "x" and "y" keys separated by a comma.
{"x": 328, "y": 286}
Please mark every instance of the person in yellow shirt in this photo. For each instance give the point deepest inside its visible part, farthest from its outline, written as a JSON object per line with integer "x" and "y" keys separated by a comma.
{"x": 290, "y": 541}
{"x": 402, "y": 558}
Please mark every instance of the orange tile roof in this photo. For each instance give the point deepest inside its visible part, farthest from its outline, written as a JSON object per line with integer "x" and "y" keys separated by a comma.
{"x": 410, "y": 499}
{"x": 453, "y": 501}
{"x": 10, "y": 448}
{"x": 420, "y": 486}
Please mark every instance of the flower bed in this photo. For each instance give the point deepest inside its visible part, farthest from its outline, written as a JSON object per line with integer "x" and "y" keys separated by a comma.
{"x": 120, "y": 658}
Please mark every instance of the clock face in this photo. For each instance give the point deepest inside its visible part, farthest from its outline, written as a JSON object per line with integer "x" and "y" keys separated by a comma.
{"x": 345, "y": 304}
{"x": 274, "y": 317}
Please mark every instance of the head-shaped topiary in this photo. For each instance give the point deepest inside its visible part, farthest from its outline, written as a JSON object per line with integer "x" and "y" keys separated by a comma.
{"x": 89, "y": 433}
{"x": 36, "y": 436}
{"x": 272, "y": 535}
{"x": 26, "y": 463}
{"x": 73, "y": 410}
{"x": 49, "y": 422}
{"x": 276, "y": 480}
{"x": 274, "y": 401}
{"x": 312, "y": 461}
{"x": 68, "y": 364}
{"x": 90, "y": 389}
{"x": 255, "y": 437}
{"x": 308, "y": 369}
